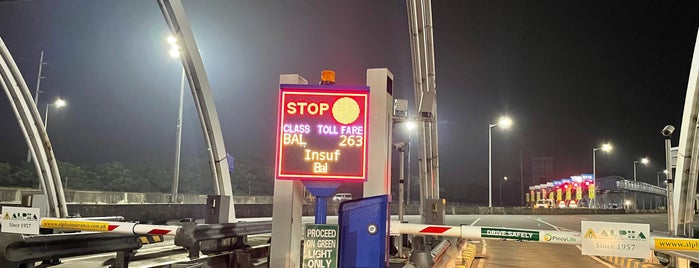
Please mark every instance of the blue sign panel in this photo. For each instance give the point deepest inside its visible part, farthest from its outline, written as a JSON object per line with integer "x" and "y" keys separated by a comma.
{"x": 364, "y": 232}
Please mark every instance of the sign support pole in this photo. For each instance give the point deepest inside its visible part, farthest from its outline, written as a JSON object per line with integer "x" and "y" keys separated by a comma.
{"x": 321, "y": 190}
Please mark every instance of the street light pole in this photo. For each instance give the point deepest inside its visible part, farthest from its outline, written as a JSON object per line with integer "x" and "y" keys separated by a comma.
{"x": 504, "y": 122}
{"x": 59, "y": 103}
{"x": 643, "y": 161}
{"x": 175, "y": 53}
{"x": 503, "y": 179}
{"x": 178, "y": 143}
{"x": 606, "y": 148}
{"x": 490, "y": 165}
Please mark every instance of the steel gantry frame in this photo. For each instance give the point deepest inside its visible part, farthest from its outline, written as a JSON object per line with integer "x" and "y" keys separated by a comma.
{"x": 422, "y": 54}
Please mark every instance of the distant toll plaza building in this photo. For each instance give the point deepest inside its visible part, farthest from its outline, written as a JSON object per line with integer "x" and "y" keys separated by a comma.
{"x": 612, "y": 192}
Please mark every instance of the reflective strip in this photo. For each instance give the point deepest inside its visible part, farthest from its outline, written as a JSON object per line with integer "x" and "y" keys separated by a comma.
{"x": 435, "y": 229}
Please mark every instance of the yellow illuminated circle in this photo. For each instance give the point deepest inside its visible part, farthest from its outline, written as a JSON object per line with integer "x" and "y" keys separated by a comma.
{"x": 345, "y": 110}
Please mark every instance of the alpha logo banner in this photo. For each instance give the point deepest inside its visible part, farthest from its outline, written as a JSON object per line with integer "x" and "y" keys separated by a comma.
{"x": 615, "y": 239}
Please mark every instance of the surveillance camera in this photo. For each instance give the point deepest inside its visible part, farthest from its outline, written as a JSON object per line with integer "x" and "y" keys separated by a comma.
{"x": 398, "y": 145}
{"x": 667, "y": 130}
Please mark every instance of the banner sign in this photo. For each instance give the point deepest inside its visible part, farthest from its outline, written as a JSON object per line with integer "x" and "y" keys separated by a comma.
{"x": 615, "y": 239}
{"x": 20, "y": 220}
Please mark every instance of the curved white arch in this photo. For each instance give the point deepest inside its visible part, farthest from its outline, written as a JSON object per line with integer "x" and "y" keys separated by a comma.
{"x": 34, "y": 132}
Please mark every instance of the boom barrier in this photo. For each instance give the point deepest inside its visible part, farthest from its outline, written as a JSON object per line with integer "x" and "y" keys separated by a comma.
{"x": 108, "y": 227}
{"x": 543, "y": 236}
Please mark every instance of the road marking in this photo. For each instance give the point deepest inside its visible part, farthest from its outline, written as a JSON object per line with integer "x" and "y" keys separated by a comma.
{"x": 550, "y": 225}
{"x": 474, "y": 222}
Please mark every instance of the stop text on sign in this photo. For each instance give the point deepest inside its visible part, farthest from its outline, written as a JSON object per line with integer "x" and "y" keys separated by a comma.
{"x": 321, "y": 133}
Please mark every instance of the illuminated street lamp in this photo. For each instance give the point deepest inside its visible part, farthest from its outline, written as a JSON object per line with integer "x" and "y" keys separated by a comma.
{"x": 658, "y": 176}
{"x": 605, "y": 148}
{"x": 59, "y": 103}
{"x": 504, "y": 122}
{"x": 642, "y": 161}
{"x": 175, "y": 53}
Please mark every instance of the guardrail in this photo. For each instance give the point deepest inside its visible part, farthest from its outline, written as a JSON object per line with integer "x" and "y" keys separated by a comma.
{"x": 23, "y": 251}
{"x": 207, "y": 238}
{"x": 218, "y": 237}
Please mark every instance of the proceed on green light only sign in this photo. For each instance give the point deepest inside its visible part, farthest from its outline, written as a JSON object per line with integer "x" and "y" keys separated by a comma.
{"x": 510, "y": 234}
{"x": 320, "y": 246}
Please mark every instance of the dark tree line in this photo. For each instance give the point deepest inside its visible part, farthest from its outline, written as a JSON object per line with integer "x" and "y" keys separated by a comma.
{"x": 253, "y": 179}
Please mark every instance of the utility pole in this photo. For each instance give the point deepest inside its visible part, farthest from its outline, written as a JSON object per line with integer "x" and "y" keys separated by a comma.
{"x": 36, "y": 93}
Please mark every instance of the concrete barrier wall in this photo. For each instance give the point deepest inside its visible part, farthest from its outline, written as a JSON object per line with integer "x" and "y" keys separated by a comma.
{"x": 96, "y": 203}
{"x": 14, "y": 196}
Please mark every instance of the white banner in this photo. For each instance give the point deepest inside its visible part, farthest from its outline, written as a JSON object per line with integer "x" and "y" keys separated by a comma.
{"x": 20, "y": 220}
{"x": 615, "y": 239}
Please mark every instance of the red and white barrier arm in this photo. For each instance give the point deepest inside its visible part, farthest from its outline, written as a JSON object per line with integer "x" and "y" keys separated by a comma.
{"x": 477, "y": 232}
{"x": 398, "y": 228}
{"x": 109, "y": 227}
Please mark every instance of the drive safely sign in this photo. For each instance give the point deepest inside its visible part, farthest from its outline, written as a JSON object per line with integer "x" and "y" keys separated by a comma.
{"x": 510, "y": 234}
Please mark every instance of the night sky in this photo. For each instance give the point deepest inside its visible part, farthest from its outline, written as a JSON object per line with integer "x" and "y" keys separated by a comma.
{"x": 571, "y": 74}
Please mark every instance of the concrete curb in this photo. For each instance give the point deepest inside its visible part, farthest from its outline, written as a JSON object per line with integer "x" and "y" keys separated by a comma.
{"x": 629, "y": 262}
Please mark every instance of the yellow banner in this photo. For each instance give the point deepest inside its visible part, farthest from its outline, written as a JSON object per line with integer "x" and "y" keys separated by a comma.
{"x": 568, "y": 194}
{"x": 676, "y": 244}
{"x": 75, "y": 225}
{"x": 578, "y": 193}
{"x": 559, "y": 194}
{"x": 591, "y": 191}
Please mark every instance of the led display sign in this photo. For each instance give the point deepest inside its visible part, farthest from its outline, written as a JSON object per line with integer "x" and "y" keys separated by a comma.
{"x": 322, "y": 133}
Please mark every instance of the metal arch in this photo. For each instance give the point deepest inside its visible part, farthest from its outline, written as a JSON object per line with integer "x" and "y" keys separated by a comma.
{"x": 177, "y": 22}
{"x": 685, "y": 184}
{"x": 34, "y": 132}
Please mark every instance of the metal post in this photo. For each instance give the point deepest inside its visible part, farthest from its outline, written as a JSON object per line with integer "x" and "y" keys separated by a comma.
{"x": 521, "y": 180}
{"x": 500, "y": 195}
{"x": 409, "y": 177}
{"x": 321, "y": 209}
{"x": 401, "y": 181}
{"x": 634, "y": 170}
{"x": 490, "y": 165}
{"x": 594, "y": 179}
{"x": 178, "y": 144}
{"x": 670, "y": 205}
{"x": 36, "y": 94}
